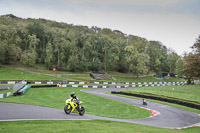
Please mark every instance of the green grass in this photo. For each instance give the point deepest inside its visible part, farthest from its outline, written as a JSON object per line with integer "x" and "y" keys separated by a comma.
{"x": 59, "y": 72}
{"x": 120, "y": 74}
{"x": 186, "y": 92}
{"x": 147, "y": 79}
{"x": 92, "y": 126}
{"x": 78, "y": 78}
{"x": 6, "y": 91}
{"x": 164, "y": 103}
{"x": 83, "y": 78}
{"x": 95, "y": 105}
{"x": 12, "y": 74}
{"x": 6, "y": 84}
{"x": 122, "y": 79}
{"x": 40, "y": 68}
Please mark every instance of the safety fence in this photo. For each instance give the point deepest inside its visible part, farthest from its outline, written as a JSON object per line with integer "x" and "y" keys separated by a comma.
{"x": 93, "y": 82}
{"x": 120, "y": 86}
{"x": 149, "y": 85}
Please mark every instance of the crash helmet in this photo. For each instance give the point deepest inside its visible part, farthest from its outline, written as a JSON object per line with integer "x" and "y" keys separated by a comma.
{"x": 72, "y": 94}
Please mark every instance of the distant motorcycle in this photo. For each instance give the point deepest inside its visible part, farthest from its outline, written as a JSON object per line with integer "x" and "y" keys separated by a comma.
{"x": 71, "y": 106}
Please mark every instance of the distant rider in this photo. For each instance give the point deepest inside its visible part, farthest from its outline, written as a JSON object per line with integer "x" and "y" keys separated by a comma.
{"x": 75, "y": 98}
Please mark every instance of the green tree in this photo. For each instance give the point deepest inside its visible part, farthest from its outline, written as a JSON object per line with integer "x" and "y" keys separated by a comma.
{"x": 154, "y": 51}
{"x": 131, "y": 57}
{"x": 143, "y": 63}
{"x": 72, "y": 63}
{"x": 179, "y": 67}
{"x": 163, "y": 59}
{"x": 28, "y": 58}
{"x": 49, "y": 56}
{"x": 10, "y": 44}
{"x": 2, "y": 53}
{"x": 77, "y": 48}
{"x": 96, "y": 65}
{"x": 65, "y": 51}
{"x": 171, "y": 61}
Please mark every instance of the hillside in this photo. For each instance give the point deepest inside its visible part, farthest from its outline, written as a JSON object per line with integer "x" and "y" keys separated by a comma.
{"x": 70, "y": 47}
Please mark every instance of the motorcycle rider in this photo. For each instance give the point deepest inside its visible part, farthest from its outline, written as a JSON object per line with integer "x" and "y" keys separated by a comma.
{"x": 75, "y": 98}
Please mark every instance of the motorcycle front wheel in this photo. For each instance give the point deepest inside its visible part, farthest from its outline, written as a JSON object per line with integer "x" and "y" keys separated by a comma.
{"x": 67, "y": 109}
{"x": 82, "y": 111}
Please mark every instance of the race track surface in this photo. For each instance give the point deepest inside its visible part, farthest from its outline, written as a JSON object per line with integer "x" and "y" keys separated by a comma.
{"x": 169, "y": 117}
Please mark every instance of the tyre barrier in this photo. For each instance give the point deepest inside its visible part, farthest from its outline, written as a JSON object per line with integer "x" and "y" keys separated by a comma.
{"x": 184, "y": 103}
{"x": 5, "y": 95}
{"x": 40, "y": 86}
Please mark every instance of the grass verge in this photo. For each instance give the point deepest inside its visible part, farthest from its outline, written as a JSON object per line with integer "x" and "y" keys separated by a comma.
{"x": 186, "y": 92}
{"x": 164, "y": 103}
{"x": 92, "y": 126}
{"x": 94, "y": 105}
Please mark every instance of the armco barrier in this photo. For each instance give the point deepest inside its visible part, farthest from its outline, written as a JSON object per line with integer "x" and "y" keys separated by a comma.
{"x": 39, "y": 86}
{"x": 5, "y": 95}
{"x": 184, "y": 103}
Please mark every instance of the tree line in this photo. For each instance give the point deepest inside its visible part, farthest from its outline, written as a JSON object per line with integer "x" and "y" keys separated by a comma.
{"x": 80, "y": 48}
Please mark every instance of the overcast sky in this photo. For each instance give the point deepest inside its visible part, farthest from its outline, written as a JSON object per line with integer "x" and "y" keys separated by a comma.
{"x": 175, "y": 23}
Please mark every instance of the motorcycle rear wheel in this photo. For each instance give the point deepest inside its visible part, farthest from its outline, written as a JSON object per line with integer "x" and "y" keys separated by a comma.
{"x": 68, "y": 109}
{"x": 82, "y": 111}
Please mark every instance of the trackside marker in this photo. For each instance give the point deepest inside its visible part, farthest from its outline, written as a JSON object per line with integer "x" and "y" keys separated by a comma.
{"x": 153, "y": 112}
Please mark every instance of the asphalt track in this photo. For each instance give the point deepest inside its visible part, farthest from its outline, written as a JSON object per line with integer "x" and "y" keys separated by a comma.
{"x": 168, "y": 117}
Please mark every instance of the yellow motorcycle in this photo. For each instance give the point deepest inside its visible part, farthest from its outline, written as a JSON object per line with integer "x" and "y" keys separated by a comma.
{"x": 71, "y": 106}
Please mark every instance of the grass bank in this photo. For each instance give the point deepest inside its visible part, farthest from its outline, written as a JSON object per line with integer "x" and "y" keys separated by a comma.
{"x": 147, "y": 79}
{"x": 94, "y": 105}
{"x": 12, "y": 74}
{"x": 93, "y": 126}
{"x": 187, "y": 92}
